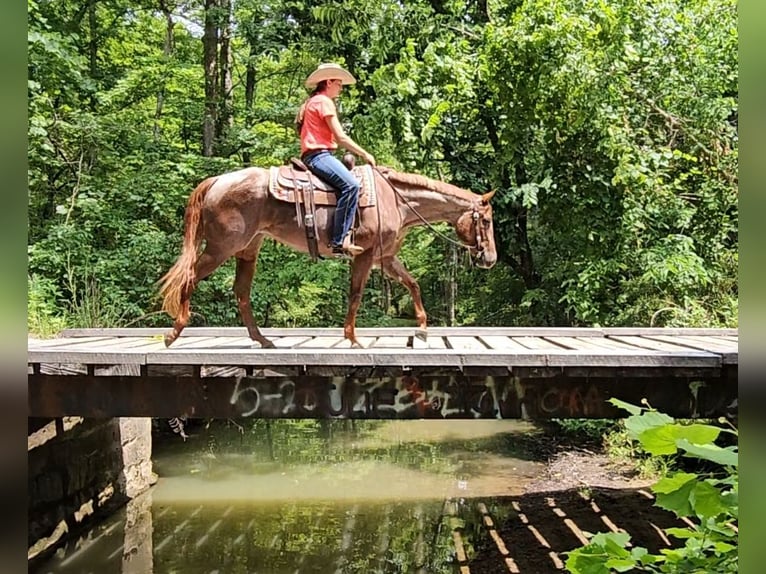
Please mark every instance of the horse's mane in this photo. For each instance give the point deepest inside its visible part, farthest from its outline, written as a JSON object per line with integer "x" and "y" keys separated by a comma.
{"x": 417, "y": 180}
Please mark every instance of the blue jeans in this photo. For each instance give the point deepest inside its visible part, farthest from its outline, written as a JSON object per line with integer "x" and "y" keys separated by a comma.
{"x": 330, "y": 170}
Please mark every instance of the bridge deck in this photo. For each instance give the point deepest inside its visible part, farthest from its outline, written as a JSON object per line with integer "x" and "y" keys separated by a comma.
{"x": 206, "y": 360}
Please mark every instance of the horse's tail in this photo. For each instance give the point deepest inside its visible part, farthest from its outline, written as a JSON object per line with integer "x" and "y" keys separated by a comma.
{"x": 181, "y": 276}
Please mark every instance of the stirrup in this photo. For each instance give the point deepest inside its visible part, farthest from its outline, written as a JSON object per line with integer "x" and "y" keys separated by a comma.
{"x": 350, "y": 247}
{"x": 350, "y": 250}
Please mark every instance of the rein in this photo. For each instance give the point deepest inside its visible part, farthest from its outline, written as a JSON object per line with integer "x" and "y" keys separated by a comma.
{"x": 428, "y": 224}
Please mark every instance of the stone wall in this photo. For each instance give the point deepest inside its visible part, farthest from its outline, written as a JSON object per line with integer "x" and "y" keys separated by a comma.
{"x": 80, "y": 470}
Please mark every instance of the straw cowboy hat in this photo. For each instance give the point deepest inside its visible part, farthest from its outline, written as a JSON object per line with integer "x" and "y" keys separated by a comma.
{"x": 329, "y": 72}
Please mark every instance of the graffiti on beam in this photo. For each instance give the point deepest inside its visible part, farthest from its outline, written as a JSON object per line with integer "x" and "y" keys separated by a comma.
{"x": 389, "y": 397}
{"x": 572, "y": 400}
{"x": 412, "y": 397}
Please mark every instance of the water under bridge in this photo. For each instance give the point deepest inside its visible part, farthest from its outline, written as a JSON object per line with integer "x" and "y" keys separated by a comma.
{"x": 455, "y": 372}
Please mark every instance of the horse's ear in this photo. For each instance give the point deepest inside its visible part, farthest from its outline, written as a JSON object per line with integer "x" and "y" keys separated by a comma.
{"x": 487, "y": 196}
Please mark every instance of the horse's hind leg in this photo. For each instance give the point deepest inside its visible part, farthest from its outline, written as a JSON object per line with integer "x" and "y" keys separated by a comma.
{"x": 243, "y": 282}
{"x": 206, "y": 264}
{"x": 396, "y": 270}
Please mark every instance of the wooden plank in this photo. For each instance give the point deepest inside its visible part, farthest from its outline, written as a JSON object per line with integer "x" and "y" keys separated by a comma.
{"x": 575, "y": 343}
{"x": 365, "y": 342}
{"x": 651, "y": 344}
{"x": 120, "y": 344}
{"x": 536, "y": 343}
{"x": 431, "y": 342}
{"x": 641, "y": 331}
{"x": 624, "y": 359}
{"x": 611, "y": 344}
{"x": 70, "y": 342}
{"x": 319, "y": 342}
{"x": 694, "y": 343}
{"x": 729, "y": 354}
{"x": 86, "y": 357}
{"x": 404, "y": 331}
{"x": 715, "y": 343}
{"x": 391, "y": 342}
{"x": 290, "y": 341}
{"x": 233, "y": 343}
{"x": 194, "y": 342}
{"x": 465, "y": 343}
{"x": 432, "y": 358}
{"x": 436, "y": 342}
{"x": 503, "y": 343}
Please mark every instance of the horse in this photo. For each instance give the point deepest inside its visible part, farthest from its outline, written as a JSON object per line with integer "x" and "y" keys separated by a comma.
{"x": 234, "y": 212}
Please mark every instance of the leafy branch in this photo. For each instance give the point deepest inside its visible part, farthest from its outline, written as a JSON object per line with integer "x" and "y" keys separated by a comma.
{"x": 708, "y": 502}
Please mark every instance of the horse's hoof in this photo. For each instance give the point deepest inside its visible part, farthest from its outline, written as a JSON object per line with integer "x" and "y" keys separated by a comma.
{"x": 266, "y": 344}
{"x": 421, "y": 333}
{"x": 356, "y": 345}
{"x": 170, "y": 338}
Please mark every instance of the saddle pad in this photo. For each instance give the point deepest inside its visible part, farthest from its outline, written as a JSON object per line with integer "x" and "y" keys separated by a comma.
{"x": 282, "y": 186}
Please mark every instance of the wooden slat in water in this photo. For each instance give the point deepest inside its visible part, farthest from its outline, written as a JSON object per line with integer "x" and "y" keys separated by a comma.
{"x": 540, "y": 538}
{"x": 567, "y": 521}
{"x": 499, "y": 542}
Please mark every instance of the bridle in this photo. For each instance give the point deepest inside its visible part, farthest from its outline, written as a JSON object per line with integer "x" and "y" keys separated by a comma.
{"x": 479, "y": 232}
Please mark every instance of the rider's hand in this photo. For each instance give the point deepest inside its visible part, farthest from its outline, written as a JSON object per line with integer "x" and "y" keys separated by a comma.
{"x": 368, "y": 157}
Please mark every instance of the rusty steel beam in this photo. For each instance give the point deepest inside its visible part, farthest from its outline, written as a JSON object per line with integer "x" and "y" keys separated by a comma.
{"x": 532, "y": 394}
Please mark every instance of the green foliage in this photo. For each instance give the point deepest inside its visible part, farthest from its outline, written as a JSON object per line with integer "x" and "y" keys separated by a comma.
{"x": 43, "y": 318}
{"x": 588, "y": 429}
{"x": 709, "y": 499}
{"x": 608, "y": 130}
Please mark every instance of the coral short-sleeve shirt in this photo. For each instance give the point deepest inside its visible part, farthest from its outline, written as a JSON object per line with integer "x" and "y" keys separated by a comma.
{"x": 316, "y": 133}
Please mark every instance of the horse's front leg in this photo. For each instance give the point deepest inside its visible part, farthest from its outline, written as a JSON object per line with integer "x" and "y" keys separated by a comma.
{"x": 360, "y": 273}
{"x": 243, "y": 282}
{"x": 396, "y": 270}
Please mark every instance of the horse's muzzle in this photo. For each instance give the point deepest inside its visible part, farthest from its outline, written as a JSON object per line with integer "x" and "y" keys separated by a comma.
{"x": 485, "y": 260}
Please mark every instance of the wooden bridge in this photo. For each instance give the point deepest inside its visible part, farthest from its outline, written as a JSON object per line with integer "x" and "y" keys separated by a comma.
{"x": 462, "y": 372}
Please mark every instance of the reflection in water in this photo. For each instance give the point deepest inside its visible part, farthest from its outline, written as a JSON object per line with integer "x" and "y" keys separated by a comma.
{"x": 309, "y": 496}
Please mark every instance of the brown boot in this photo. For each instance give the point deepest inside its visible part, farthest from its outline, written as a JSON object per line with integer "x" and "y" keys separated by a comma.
{"x": 351, "y": 248}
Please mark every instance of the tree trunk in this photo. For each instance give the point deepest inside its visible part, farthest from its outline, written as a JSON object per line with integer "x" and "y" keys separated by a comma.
{"x": 225, "y": 118}
{"x": 210, "y": 57}
{"x": 93, "y": 47}
{"x": 249, "y": 95}
{"x": 167, "y": 51}
{"x": 452, "y": 286}
{"x": 524, "y": 263}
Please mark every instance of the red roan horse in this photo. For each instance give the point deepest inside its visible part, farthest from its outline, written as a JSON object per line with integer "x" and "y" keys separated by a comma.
{"x": 234, "y": 212}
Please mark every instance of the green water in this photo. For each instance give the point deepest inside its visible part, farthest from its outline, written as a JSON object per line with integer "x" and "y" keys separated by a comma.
{"x": 309, "y": 496}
